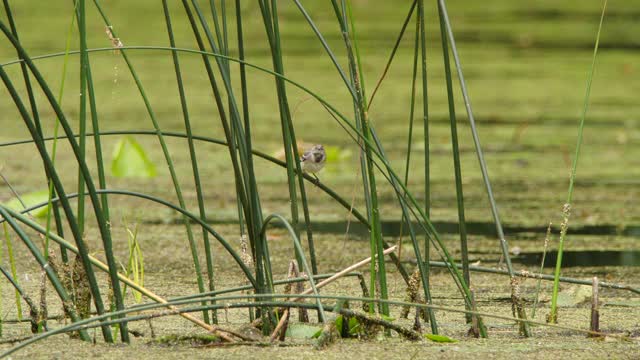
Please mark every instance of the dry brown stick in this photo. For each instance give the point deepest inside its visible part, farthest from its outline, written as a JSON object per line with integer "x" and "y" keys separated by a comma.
{"x": 406, "y": 333}
{"x": 344, "y": 272}
{"x": 329, "y": 280}
{"x": 595, "y": 308}
{"x": 283, "y": 320}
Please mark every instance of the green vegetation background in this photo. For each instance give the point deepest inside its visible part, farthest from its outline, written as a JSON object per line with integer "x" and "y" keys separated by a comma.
{"x": 526, "y": 64}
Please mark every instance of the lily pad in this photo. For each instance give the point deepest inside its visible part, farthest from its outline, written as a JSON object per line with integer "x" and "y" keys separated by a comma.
{"x": 303, "y": 331}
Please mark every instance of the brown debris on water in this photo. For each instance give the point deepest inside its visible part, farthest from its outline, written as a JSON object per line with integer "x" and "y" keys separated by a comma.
{"x": 81, "y": 291}
{"x": 43, "y": 313}
{"x": 413, "y": 296}
{"x": 517, "y": 307}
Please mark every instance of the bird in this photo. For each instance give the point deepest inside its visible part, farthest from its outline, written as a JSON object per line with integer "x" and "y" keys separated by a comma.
{"x": 313, "y": 160}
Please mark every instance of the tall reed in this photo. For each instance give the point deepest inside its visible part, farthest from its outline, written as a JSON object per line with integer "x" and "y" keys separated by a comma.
{"x": 566, "y": 209}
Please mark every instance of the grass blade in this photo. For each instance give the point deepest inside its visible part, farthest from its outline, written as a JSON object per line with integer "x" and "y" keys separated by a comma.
{"x": 456, "y": 157}
{"x": 192, "y": 154}
{"x": 553, "y": 315}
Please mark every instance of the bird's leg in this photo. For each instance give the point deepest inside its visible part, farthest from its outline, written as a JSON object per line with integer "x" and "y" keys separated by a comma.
{"x": 317, "y": 181}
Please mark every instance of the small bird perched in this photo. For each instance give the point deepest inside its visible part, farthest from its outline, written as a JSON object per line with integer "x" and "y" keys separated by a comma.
{"x": 312, "y": 161}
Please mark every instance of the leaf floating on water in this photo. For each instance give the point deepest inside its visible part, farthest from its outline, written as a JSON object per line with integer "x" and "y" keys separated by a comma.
{"x": 31, "y": 199}
{"x": 574, "y": 296}
{"x": 440, "y": 338}
{"x": 130, "y": 160}
{"x": 303, "y": 331}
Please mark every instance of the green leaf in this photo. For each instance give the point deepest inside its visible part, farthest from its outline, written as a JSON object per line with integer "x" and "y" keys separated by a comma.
{"x": 130, "y": 160}
{"x": 440, "y": 338}
{"x": 354, "y": 326}
{"x": 336, "y": 154}
{"x": 30, "y": 199}
{"x": 387, "y": 318}
{"x": 339, "y": 320}
{"x": 303, "y": 331}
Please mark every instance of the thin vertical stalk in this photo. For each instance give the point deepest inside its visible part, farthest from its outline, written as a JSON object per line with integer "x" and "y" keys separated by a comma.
{"x": 270, "y": 19}
{"x": 244, "y": 173}
{"x": 102, "y": 183}
{"x": 462, "y": 226}
{"x": 12, "y": 259}
{"x": 57, "y": 285}
{"x": 412, "y": 106}
{"x": 246, "y": 185}
{"x": 376, "y": 244}
{"x": 427, "y": 162}
{"x": 14, "y": 273}
{"x": 393, "y": 52}
{"x": 425, "y": 122}
{"x": 192, "y": 154}
{"x": 223, "y": 43}
{"x": 553, "y": 315}
{"x": 504, "y": 246}
{"x": 82, "y": 115}
{"x": 168, "y": 159}
{"x": 54, "y": 148}
{"x": 476, "y": 140}
{"x": 300, "y": 251}
{"x": 36, "y": 119}
{"x": 271, "y": 22}
{"x": 84, "y": 175}
{"x": 544, "y": 256}
{"x": 244, "y": 90}
{"x": 245, "y": 105}
{"x": 422, "y": 262}
{"x": 55, "y": 179}
{"x": 406, "y": 220}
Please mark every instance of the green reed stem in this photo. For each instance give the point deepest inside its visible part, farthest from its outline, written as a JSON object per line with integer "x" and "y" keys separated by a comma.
{"x": 357, "y": 136}
{"x": 37, "y": 227}
{"x": 547, "y": 238}
{"x": 35, "y": 114}
{"x": 300, "y": 252}
{"x": 223, "y": 44}
{"x": 462, "y": 226}
{"x": 378, "y": 267}
{"x": 270, "y": 19}
{"x": 343, "y": 202}
{"x": 244, "y": 89}
{"x": 165, "y": 152}
{"x": 54, "y": 177}
{"x": 8, "y": 215}
{"x": 553, "y": 315}
{"x": 230, "y": 304}
{"x": 14, "y": 272}
{"x": 246, "y": 186}
{"x": 192, "y": 153}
